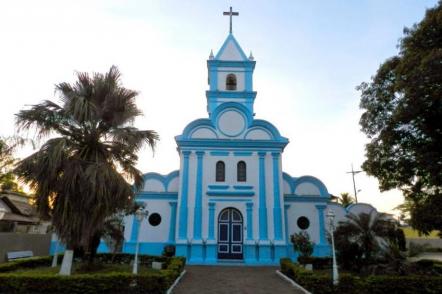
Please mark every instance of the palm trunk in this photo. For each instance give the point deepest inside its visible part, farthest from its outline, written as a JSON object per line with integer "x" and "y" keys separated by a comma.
{"x": 93, "y": 246}
{"x": 66, "y": 264}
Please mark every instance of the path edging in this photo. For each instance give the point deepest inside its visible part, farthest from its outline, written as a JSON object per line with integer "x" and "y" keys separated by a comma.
{"x": 293, "y": 283}
{"x": 170, "y": 290}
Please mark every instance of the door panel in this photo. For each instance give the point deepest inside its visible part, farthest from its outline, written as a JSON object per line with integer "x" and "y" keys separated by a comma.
{"x": 230, "y": 234}
{"x": 224, "y": 232}
{"x": 236, "y": 233}
{"x": 223, "y": 248}
{"x": 236, "y": 248}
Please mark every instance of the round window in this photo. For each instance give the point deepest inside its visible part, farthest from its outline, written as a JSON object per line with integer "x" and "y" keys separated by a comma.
{"x": 154, "y": 219}
{"x": 303, "y": 223}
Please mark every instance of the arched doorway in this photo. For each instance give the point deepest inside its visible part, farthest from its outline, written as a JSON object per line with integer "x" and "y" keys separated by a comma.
{"x": 230, "y": 234}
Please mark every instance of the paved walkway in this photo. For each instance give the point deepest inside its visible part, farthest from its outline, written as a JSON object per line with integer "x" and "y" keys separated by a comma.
{"x": 232, "y": 280}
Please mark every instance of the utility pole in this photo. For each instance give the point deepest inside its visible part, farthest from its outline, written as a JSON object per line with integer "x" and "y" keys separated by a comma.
{"x": 353, "y": 173}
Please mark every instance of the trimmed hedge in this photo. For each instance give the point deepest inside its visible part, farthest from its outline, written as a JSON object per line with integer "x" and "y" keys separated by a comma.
{"x": 30, "y": 262}
{"x": 319, "y": 283}
{"x": 318, "y": 263}
{"x": 115, "y": 282}
{"x": 126, "y": 258}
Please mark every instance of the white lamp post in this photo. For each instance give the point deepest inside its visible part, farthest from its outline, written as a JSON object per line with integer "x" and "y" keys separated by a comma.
{"x": 331, "y": 218}
{"x": 140, "y": 214}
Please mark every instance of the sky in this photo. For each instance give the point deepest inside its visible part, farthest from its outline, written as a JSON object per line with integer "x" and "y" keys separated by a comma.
{"x": 310, "y": 56}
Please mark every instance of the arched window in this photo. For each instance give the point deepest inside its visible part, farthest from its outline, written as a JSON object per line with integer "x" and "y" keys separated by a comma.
{"x": 241, "y": 171}
{"x": 231, "y": 82}
{"x": 220, "y": 171}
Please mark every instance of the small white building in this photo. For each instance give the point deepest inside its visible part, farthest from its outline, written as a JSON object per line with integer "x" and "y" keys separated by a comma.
{"x": 230, "y": 199}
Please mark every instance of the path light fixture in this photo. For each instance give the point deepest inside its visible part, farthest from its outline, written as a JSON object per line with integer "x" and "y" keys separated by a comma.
{"x": 331, "y": 218}
{"x": 140, "y": 214}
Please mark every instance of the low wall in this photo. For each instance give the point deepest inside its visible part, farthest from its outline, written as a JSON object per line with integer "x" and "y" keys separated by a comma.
{"x": 434, "y": 243}
{"x": 38, "y": 243}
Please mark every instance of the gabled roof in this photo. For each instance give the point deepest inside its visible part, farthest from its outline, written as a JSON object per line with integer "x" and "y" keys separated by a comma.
{"x": 18, "y": 207}
{"x": 231, "y": 50}
{"x": 20, "y": 212}
{"x": 13, "y": 217}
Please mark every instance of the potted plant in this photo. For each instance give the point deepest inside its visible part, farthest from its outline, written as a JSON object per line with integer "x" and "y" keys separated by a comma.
{"x": 304, "y": 246}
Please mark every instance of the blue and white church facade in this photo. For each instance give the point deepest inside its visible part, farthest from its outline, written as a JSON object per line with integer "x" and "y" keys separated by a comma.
{"x": 230, "y": 199}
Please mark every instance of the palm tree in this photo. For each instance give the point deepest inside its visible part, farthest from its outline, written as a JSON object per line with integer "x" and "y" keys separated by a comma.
{"x": 345, "y": 199}
{"x": 365, "y": 235}
{"x": 80, "y": 175}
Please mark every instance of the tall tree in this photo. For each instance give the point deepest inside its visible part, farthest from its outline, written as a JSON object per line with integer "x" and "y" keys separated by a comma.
{"x": 80, "y": 175}
{"x": 403, "y": 120}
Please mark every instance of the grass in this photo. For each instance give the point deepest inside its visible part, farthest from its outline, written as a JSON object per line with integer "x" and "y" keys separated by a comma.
{"x": 410, "y": 233}
{"x": 80, "y": 268}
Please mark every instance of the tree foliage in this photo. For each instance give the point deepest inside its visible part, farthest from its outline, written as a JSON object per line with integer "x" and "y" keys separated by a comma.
{"x": 345, "y": 199}
{"x": 80, "y": 175}
{"x": 360, "y": 238}
{"x": 8, "y": 180}
{"x": 403, "y": 120}
{"x": 302, "y": 243}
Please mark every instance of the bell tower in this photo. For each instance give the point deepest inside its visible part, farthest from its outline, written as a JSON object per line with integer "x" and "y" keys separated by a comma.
{"x": 230, "y": 74}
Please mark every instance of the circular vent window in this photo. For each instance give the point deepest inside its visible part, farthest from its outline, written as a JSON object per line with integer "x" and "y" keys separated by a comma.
{"x": 154, "y": 219}
{"x": 303, "y": 223}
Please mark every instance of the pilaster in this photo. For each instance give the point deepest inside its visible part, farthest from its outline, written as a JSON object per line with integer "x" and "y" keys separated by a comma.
{"x": 172, "y": 228}
{"x": 322, "y": 238}
{"x": 182, "y": 234}
{"x": 211, "y": 221}
{"x": 198, "y": 197}
{"x": 263, "y": 232}
{"x": 277, "y": 217}
{"x": 249, "y": 209}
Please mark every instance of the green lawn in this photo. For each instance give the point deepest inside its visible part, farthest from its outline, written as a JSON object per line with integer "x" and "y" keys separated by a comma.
{"x": 80, "y": 269}
{"x": 410, "y": 233}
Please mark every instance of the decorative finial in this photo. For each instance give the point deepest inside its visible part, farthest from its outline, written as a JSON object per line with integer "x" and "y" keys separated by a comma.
{"x": 230, "y": 14}
{"x": 211, "y": 55}
{"x": 251, "y": 58}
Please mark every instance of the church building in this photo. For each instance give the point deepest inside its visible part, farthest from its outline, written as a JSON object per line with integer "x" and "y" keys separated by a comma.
{"x": 230, "y": 200}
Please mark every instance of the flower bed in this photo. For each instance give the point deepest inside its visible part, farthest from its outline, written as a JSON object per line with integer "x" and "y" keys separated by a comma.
{"x": 319, "y": 283}
{"x": 14, "y": 281}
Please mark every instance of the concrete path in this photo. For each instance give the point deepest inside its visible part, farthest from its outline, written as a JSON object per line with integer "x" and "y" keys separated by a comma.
{"x": 232, "y": 280}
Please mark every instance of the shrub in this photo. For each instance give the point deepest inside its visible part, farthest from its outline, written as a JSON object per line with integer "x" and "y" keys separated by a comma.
{"x": 30, "y": 262}
{"x": 425, "y": 264}
{"x": 126, "y": 258}
{"x": 319, "y": 283}
{"x": 87, "y": 283}
{"x": 169, "y": 250}
{"x": 114, "y": 282}
{"x": 302, "y": 244}
{"x": 318, "y": 263}
{"x": 350, "y": 255}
